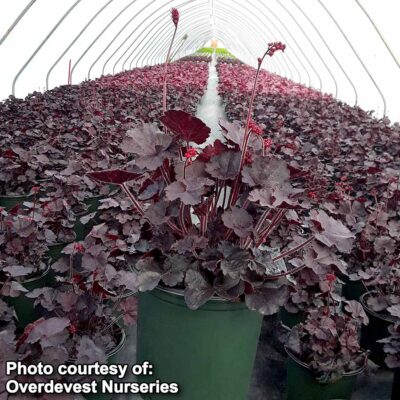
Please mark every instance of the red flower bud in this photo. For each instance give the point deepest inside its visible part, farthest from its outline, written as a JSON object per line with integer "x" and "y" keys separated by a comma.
{"x": 330, "y": 278}
{"x": 268, "y": 143}
{"x": 248, "y": 158}
{"x": 78, "y": 248}
{"x": 175, "y": 16}
{"x": 312, "y": 195}
{"x": 256, "y": 129}
{"x": 190, "y": 153}
{"x": 72, "y": 329}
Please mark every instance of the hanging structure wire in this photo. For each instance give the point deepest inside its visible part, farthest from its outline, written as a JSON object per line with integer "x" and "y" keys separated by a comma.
{"x": 348, "y": 49}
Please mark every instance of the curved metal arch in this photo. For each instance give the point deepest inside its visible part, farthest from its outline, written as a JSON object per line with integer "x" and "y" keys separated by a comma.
{"x": 99, "y": 35}
{"x": 292, "y": 39}
{"x": 332, "y": 54}
{"x": 16, "y": 21}
{"x": 257, "y": 32}
{"x": 100, "y": 10}
{"x": 123, "y": 42}
{"x": 163, "y": 44}
{"x": 181, "y": 43}
{"x": 156, "y": 31}
{"x": 159, "y": 30}
{"x": 357, "y": 55}
{"x": 116, "y": 36}
{"x": 164, "y": 41}
{"x": 200, "y": 38}
{"x": 238, "y": 20}
{"x": 222, "y": 34}
{"x": 275, "y": 59}
{"x": 149, "y": 49}
{"x": 282, "y": 35}
{"x": 379, "y": 33}
{"x": 319, "y": 34}
{"x": 309, "y": 41}
{"x": 157, "y": 16}
{"x": 60, "y": 21}
{"x": 167, "y": 45}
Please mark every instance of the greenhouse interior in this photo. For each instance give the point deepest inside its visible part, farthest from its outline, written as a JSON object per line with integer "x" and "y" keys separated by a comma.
{"x": 200, "y": 199}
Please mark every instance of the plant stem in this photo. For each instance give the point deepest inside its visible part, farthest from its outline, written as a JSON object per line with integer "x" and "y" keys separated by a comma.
{"x": 166, "y": 71}
{"x": 274, "y": 223}
{"x": 294, "y": 250}
{"x": 138, "y": 207}
{"x": 246, "y": 135}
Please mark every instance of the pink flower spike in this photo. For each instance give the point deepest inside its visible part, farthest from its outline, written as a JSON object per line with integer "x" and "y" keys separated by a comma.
{"x": 175, "y": 16}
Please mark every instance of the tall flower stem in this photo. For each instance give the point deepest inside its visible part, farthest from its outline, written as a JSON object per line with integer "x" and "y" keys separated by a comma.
{"x": 235, "y": 188}
{"x": 175, "y": 19}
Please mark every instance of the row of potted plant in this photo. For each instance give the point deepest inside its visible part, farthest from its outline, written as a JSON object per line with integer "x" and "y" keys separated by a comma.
{"x": 349, "y": 163}
{"x": 67, "y": 244}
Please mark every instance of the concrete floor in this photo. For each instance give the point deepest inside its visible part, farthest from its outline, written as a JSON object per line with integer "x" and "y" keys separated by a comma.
{"x": 211, "y": 108}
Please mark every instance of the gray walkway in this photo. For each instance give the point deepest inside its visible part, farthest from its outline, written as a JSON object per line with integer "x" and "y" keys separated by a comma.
{"x": 211, "y": 109}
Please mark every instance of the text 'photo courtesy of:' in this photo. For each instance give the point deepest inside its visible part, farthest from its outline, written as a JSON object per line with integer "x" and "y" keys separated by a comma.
{"x": 199, "y": 199}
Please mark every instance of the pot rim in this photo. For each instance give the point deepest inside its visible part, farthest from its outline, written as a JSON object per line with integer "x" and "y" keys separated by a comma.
{"x": 18, "y": 196}
{"x": 381, "y": 316}
{"x": 307, "y": 366}
{"x": 181, "y": 293}
{"x": 37, "y": 278}
{"x": 117, "y": 348}
{"x": 63, "y": 243}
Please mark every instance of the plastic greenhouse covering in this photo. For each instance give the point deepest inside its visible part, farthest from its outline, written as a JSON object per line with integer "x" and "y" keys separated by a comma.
{"x": 350, "y": 49}
{"x": 199, "y": 199}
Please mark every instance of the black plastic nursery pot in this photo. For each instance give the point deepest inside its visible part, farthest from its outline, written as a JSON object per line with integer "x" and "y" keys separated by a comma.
{"x": 55, "y": 250}
{"x": 301, "y": 383}
{"x": 352, "y": 290}
{"x": 396, "y": 385}
{"x": 112, "y": 358}
{"x": 289, "y": 320}
{"x": 92, "y": 204}
{"x": 377, "y": 329}
{"x": 9, "y": 202}
{"x": 209, "y": 352}
{"x": 24, "y": 306}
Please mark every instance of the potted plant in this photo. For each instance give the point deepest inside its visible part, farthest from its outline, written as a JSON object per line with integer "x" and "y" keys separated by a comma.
{"x": 209, "y": 221}
{"x": 23, "y": 264}
{"x": 81, "y": 312}
{"x": 383, "y": 296}
{"x": 307, "y": 291}
{"x": 391, "y": 346}
{"x": 23, "y": 167}
{"x": 324, "y": 352}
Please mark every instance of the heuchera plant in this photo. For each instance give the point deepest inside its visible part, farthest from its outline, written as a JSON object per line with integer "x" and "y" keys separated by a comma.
{"x": 392, "y": 343}
{"x": 209, "y": 214}
{"x": 22, "y": 251}
{"x": 328, "y": 341}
